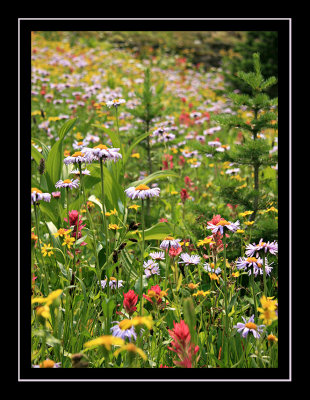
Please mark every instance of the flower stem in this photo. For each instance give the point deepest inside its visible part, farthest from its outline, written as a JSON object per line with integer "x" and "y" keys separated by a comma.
{"x": 225, "y": 296}
{"x": 45, "y": 284}
{"x": 142, "y": 251}
{"x": 254, "y": 294}
{"x": 264, "y": 274}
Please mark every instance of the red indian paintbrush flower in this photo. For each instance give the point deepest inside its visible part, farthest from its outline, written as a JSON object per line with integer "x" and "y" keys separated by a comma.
{"x": 182, "y": 345}
{"x": 76, "y": 220}
{"x": 184, "y": 195}
{"x": 130, "y": 300}
{"x": 175, "y": 252}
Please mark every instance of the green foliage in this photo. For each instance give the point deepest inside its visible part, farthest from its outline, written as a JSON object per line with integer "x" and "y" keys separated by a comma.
{"x": 266, "y": 44}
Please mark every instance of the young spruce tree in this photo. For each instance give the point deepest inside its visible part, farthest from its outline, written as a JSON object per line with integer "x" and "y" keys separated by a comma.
{"x": 150, "y": 107}
{"x": 254, "y": 151}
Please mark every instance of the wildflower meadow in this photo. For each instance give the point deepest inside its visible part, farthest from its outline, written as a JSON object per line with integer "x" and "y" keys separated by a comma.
{"x": 154, "y": 203}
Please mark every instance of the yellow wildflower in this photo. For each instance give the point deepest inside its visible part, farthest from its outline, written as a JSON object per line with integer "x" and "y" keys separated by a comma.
{"x": 131, "y": 348}
{"x": 244, "y": 214}
{"x": 135, "y": 155}
{"x": 47, "y": 250}
{"x": 201, "y": 293}
{"x": 134, "y": 206}
{"x": 205, "y": 241}
{"x": 106, "y": 340}
{"x": 114, "y": 227}
{"x": 272, "y": 338}
{"x": 193, "y": 285}
{"x": 249, "y": 223}
{"x": 136, "y": 321}
{"x": 62, "y": 232}
{"x": 68, "y": 240}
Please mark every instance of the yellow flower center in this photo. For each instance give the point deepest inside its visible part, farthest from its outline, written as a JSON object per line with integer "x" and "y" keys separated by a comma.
{"x": 251, "y": 259}
{"x": 67, "y": 181}
{"x": 47, "y": 364}
{"x": 101, "y": 147}
{"x": 223, "y": 223}
{"x": 35, "y": 190}
{"x": 77, "y": 154}
{"x": 142, "y": 187}
{"x": 251, "y": 325}
{"x": 169, "y": 238}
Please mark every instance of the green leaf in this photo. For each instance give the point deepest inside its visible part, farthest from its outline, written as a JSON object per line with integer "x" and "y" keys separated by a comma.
{"x": 54, "y": 162}
{"x": 36, "y": 155}
{"x": 159, "y": 231}
{"x": 190, "y": 316}
{"x": 153, "y": 176}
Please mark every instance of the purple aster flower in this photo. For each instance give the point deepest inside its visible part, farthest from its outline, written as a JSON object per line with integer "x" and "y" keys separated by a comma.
{"x": 67, "y": 183}
{"x": 37, "y": 195}
{"x": 79, "y": 145}
{"x": 168, "y": 242}
{"x": 77, "y": 157}
{"x": 219, "y": 227}
{"x": 77, "y": 172}
{"x": 101, "y": 151}
{"x": 115, "y": 103}
{"x": 255, "y": 263}
{"x": 92, "y": 138}
{"x": 187, "y": 259}
{"x": 123, "y": 333}
{"x": 150, "y": 268}
{"x": 142, "y": 192}
{"x": 256, "y": 248}
{"x": 208, "y": 268}
{"x": 159, "y": 255}
{"x": 249, "y": 326}
{"x": 113, "y": 283}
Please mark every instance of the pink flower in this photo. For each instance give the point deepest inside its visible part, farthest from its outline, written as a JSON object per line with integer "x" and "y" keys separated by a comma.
{"x": 175, "y": 252}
